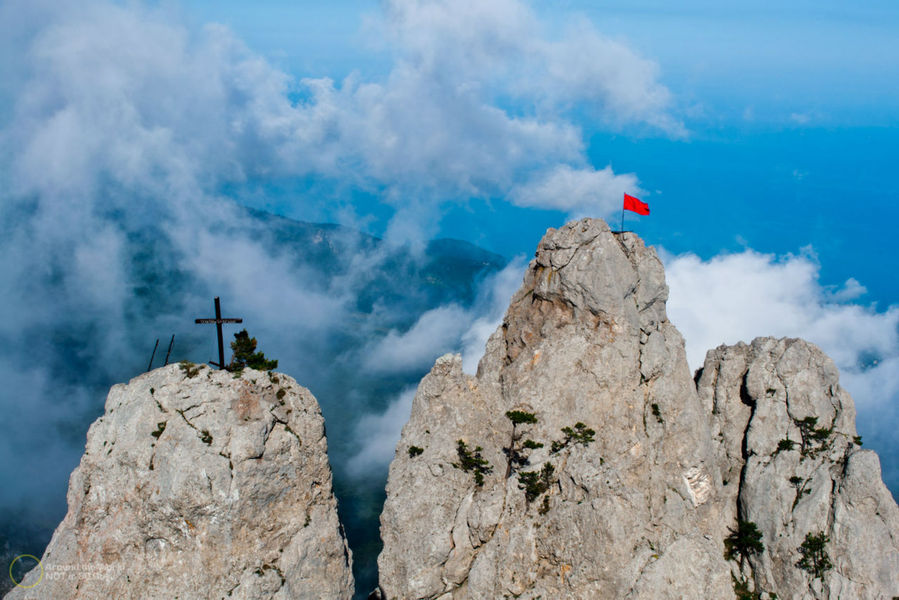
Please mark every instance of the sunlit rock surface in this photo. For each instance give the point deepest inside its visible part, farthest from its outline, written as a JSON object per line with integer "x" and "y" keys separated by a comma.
{"x": 643, "y": 509}
{"x": 197, "y": 484}
{"x": 794, "y": 465}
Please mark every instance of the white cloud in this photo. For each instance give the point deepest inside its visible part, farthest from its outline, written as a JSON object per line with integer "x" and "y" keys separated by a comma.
{"x": 621, "y": 87}
{"x": 738, "y": 297}
{"x": 741, "y": 296}
{"x": 442, "y": 120}
{"x": 851, "y": 290}
{"x": 447, "y": 329}
{"x": 380, "y": 434}
{"x": 579, "y": 192}
{"x": 502, "y": 46}
{"x": 488, "y": 314}
{"x": 416, "y": 349}
{"x": 119, "y": 126}
{"x": 109, "y": 97}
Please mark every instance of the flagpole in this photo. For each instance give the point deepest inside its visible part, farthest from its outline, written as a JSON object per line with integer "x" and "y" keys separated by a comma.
{"x": 622, "y": 218}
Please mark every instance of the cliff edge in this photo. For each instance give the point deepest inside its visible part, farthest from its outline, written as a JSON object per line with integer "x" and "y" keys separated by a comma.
{"x": 198, "y": 483}
{"x": 582, "y": 461}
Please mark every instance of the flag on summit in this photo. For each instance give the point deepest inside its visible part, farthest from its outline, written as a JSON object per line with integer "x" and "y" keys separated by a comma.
{"x": 634, "y": 205}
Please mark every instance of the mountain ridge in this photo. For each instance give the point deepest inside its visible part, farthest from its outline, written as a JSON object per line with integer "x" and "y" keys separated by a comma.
{"x": 583, "y": 459}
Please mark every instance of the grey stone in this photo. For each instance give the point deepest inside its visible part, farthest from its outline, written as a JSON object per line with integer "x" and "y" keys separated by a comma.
{"x": 201, "y": 484}
{"x": 642, "y": 511}
{"x": 760, "y": 394}
{"x": 208, "y": 486}
{"x": 586, "y": 339}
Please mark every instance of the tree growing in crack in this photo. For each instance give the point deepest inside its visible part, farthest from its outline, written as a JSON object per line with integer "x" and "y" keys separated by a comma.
{"x": 579, "y": 434}
{"x": 802, "y": 489}
{"x": 813, "y": 552}
{"x": 535, "y": 483}
{"x": 743, "y": 542}
{"x": 814, "y": 439}
{"x": 515, "y": 451}
{"x": 471, "y": 461}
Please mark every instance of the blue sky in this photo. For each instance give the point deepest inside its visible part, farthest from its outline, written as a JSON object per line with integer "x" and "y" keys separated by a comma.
{"x": 763, "y": 135}
{"x": 790, "y": 112}
{"x": 789, "y": 137}
{"x": 770, "y": 135}
{"x": 832, "y": 62}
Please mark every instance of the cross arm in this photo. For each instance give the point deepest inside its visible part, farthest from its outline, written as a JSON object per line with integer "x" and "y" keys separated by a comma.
{"x": 218, "y": 320}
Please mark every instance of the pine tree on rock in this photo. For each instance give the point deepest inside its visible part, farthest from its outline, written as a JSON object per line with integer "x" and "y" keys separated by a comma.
{"x": 245, "y": 354}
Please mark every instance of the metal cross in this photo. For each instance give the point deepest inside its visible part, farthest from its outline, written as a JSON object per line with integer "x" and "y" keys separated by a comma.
{"x": 218, "y": 320}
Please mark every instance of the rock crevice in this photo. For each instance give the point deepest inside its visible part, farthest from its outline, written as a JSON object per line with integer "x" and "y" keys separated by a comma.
{"x": 583, "y": 460}
{"x": 640, "y": 507}
{"x": 195, "y": 483}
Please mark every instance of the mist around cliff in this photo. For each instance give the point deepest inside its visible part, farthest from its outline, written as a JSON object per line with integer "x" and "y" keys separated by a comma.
{"x": 131, "y": 145}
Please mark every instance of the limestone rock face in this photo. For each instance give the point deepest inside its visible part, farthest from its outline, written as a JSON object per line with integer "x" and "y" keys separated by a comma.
{"x": 795, "y": 467}
{"x": 197, "y": 484}
{"x": 485, "y": 504}
{"x": 634, "y": 513}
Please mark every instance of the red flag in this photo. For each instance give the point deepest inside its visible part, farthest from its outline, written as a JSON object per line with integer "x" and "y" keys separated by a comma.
{"x": 634, "y": 205}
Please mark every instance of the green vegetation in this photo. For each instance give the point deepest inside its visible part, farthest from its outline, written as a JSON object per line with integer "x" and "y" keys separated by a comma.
{"x": 535, "y": 483}
{"x": 743, "y": 542}
{"x": 514, "y": 453}
{"x": 520, "y": 417}
{"x": 579, "y": 434}
{"x": 801, "y": 489}
{"x": 245, "y": 354}
{"x": 544, "y": 508}
{"x": 814, "y": 555}
{"x": 280, "y": 394}
{"x": 471, "y": 461}
{"x": 206, "y": 437}
{"x": 785, "y": 445}
{"x": 821, "y": 434}
{"x": 415, "y": 451}
{"x": 160, "y": 427}
{"x": 189, "y": 368}
{"x": 657, "y": 413}
{"x": 814, "y": 440}
{"x": 858, "y": 440}
{"x": 741, "y": 589}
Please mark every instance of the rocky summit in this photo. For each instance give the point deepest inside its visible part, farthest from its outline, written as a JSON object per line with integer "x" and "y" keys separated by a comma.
{"x": 791, "y": 457}
{"x": 198, "y": 483}
{"x": 584, "y": 461}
